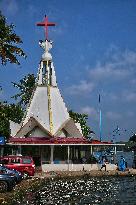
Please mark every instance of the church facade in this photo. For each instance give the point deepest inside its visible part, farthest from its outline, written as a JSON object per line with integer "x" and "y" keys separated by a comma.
{"x": 47, "y": 132}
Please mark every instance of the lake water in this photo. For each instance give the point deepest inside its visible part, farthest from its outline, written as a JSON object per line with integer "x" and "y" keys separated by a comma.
{"x": 92, "y": 190}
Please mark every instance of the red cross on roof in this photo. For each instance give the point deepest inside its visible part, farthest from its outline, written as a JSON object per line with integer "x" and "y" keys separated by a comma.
{"x": 46, "y": 23}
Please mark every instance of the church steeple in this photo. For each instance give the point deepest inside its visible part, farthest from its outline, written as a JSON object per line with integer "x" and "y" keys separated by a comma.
{"x": 46, "y": 75}
{"x": 46, "y": 114}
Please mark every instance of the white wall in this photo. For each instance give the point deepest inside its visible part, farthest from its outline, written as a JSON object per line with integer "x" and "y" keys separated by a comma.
{"x": 37, "y": 132}
{"x": 75, "y": 167}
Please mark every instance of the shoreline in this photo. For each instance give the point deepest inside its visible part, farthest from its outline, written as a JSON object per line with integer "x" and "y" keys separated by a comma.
{"x": 26, "y": 188}
{"x": 92, "y": 173}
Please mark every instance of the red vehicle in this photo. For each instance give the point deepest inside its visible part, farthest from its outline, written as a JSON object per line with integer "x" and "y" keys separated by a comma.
{"x": 23, "y": 164}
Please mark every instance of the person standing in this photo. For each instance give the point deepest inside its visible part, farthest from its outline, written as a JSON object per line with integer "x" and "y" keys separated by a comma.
{"x": 112, "y": 160}
{"x": 122, "y": 164}
{"x": 103, "y": 164}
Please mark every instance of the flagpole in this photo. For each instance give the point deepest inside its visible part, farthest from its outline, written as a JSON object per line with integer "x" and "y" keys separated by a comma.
{"x": 100, "y": 118}
{"x": 100, "y": 125}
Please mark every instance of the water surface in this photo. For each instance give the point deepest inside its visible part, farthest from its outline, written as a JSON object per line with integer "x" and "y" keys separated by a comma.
{"x": 92, "y": 190}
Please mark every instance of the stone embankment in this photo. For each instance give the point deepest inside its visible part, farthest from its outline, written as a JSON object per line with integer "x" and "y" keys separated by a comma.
{"x": 26, "y": 188}
{"x": 93, "y": 173}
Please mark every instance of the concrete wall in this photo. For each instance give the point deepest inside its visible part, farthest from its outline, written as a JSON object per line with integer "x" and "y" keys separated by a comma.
{"x": 75, "y": 167}
{"x": 37, "y": 132}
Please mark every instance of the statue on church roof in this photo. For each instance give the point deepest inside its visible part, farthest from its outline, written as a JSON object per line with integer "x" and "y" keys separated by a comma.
{"x": 46, "y": 45}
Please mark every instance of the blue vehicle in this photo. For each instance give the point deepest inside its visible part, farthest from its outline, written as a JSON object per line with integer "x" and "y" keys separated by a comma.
{"x": 17, "y": 175}
{"x": 7, "y": 182}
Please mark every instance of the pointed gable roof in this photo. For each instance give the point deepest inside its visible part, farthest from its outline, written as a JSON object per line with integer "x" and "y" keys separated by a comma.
{"x": 32, "y": 123}
{"x": 38, "y": 108}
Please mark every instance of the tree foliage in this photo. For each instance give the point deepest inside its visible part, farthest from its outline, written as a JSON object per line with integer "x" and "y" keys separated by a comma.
{"x": 133, "y": 138}
{"x": 130, "y": 144}
{"x": 8, "y": 40}
{"x": 9, "y": 112}
{"x": 26, "y": 87}
{"x": 82, "y": 119}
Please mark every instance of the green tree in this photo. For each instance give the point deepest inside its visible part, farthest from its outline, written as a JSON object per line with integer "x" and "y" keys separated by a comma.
{"x": 133, "y": 138}
{"x": 82, "y": 119}
{"x": 9, "y": 112}
{"x": 26, "y": 87}
{"x": 130, "y": 144}
{"x": 8, "y": 41}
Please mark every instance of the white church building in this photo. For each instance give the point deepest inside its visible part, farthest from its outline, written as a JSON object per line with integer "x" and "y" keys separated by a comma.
{"x": 47, "y": 132}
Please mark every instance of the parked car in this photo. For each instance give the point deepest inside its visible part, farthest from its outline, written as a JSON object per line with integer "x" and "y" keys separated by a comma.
{"x": 7, "y": 182}
{"x": 18, "y": 175}
{"x": 23, "y": 164}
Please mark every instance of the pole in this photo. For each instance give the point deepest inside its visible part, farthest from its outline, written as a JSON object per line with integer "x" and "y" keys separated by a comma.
{"x": 100, "y": 125}
{"x": 51, "y": 156}
{"x": 115, "y": 150}
{"x": 91, "y": 150}
{"x": 68, "y": 157}
{"x": 100, "y": 119}
{"x": 19, "y": 151}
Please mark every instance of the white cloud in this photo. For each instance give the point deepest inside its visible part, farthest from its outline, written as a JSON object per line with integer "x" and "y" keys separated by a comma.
{"x": 129, "y": 96}
{"x": 83, "y": 88}
{"x": 113, "y": 115}
{"x": 116, "y": 69}
{"x": 129, "y": 57}
{"x": 108, "y": 71}
{"x": 117, "y": 66}
{"x": 90, "y": 111}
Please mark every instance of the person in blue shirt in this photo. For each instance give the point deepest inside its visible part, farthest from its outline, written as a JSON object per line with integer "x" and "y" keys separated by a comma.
{"x": 122, "y": 164}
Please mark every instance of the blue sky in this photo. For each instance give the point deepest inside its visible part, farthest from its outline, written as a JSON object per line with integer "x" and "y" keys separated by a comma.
{"x": 94, "y": 52}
